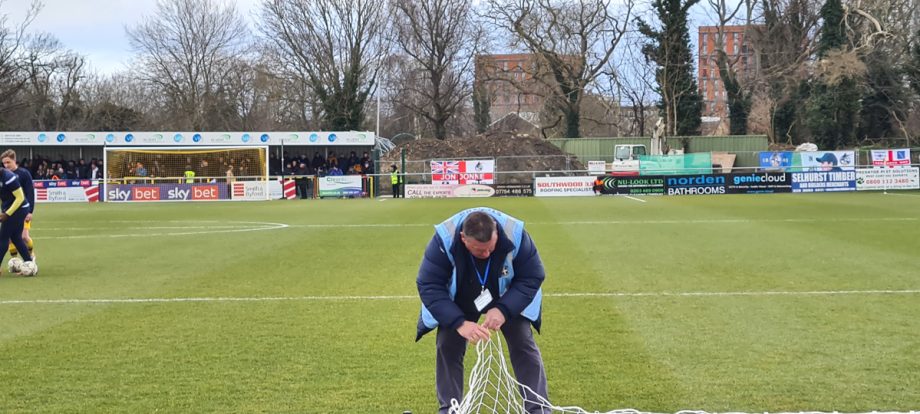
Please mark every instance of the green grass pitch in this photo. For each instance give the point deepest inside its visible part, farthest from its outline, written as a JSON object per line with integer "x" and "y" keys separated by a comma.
{"x": 718, "y": 303}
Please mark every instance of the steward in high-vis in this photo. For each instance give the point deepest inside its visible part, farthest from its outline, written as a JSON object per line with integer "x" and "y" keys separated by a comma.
{"x": 482, "y": 262}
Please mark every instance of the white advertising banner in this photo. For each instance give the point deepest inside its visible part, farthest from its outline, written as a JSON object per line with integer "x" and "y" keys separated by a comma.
{"x": 887, "y": 179}
{"x": 250, "y": 190}
{"x": 597, "y": 167}
{"x": 340, "y": 186}
{"x": 183, "y": 138}
{"x": 275, "y": 190}
{"x": 563, "y": 186}
{"x": 429, "y": 191}
{"x": 65, "y": 194}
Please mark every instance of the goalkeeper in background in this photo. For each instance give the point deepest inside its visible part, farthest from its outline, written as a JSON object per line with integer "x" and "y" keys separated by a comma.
{"x": 13, "y": 211}
{"x": 482, "y": 262}
{"x": 28, "y": 188}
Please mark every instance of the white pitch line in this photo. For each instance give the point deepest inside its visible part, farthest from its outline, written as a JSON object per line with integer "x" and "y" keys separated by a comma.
{"x": 254, "y": 226}
{"x": 636, "y": 199}
{"x": 347, "y": 298}
{"x": 638, "y": 222}
{"x": 903, "y": 194}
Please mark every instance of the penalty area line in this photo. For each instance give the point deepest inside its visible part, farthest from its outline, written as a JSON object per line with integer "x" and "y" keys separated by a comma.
{"x": 347, "y": 298}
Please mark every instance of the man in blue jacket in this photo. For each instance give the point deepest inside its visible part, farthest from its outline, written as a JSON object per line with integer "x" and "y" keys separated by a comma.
{"x": 481, "y": 261}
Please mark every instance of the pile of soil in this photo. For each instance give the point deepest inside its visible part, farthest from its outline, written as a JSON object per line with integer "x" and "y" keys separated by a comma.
{"x": 510, "y": 154}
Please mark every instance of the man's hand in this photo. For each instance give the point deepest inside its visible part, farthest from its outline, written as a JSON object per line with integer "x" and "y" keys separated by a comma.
{"x": 494, "y": 319}
{"x": 28, "y": 217}
{"x": 472, "y": 332}
{"x": 4, "y": 216}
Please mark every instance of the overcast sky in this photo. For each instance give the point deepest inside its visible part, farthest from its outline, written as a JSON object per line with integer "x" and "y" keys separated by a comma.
{"x": 95, "y": 28}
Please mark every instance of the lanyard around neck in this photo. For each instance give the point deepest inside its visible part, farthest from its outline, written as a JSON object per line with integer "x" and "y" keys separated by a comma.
{"x": 482, "y": 278}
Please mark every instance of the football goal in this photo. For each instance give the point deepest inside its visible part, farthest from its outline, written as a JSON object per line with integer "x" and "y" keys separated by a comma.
{"x": 185, "y": 174}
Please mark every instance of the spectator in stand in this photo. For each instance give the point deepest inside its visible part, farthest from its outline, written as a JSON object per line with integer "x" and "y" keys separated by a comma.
{"x": 82, "y": 169}
{"x": 228, "y": 172}
{"x": 367, "y": 166}
{"x": 95, "y": 173}
{"x": 334, "y": 170}
{"x": 317, "y": 161}
{"x": 70, "y": 173}
{"x": 140, "y": 170}
{"x": 243, "y": 170}
{"x": 274, "y": 164}
{"x": 352, "y": 160}
{"x": 332, "y": 161}
{"x": 157, "y": 170}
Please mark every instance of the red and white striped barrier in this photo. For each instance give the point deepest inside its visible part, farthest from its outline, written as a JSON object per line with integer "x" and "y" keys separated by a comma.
{"x": 290, "y": 189}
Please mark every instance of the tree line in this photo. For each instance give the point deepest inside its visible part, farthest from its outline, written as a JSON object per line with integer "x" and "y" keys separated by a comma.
{"x": 834, "y": 72}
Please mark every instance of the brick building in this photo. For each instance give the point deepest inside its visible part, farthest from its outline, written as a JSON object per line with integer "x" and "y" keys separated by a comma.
{"x": 740, "y": 57}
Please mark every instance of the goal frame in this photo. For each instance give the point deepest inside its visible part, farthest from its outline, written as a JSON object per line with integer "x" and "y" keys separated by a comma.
{"x": 264, "y": 178}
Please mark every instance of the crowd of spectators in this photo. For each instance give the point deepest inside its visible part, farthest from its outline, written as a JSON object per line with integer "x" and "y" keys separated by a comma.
{"x": 44, "y": 168}
{"x": 48, "y": 169}
{"x": 321, "y": 166}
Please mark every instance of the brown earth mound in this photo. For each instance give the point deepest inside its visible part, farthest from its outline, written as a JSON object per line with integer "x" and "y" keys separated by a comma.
{"x": 511, "y": 154}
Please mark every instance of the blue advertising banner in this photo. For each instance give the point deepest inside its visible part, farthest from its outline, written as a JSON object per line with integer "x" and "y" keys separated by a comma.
{"x": 759, "y": 183}
{"x": 695, "y": 184}
{"x": 824, "y": 181}
{"x": 63, "y": 183}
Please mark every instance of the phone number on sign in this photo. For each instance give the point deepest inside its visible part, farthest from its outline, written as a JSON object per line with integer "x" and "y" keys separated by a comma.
{"x": 877, "y": 181}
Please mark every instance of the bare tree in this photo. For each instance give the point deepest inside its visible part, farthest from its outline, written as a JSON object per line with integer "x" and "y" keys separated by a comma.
{"x": 632, "y": 82}
{"x": 737, "y": 91}
{"x": 188, "y": 51}
{"x": 334, "y": 48}
{"x": 880, "y": 34}
{"x": 13, "y": 42}
{"x": 572, "y": 42}
{"x": 784, "y": 41}
{"x": 438, "y": 38}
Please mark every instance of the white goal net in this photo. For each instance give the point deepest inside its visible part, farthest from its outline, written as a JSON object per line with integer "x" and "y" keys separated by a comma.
{"x": 493, "y": 389}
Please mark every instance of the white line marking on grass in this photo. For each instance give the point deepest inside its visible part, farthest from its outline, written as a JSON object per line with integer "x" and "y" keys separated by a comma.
{"x": 347, "y": 298}
{"x": 729, "y": 294}
{"x": 902, "y": 194}
{"x": 365, "y": 225}
{"x": 639, "y": 222}
{"x": 636, "y": 199}
{"x": 241, "y": 226}
{"x": 733, "y": 221}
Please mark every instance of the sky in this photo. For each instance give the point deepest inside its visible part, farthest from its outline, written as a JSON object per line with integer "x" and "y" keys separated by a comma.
{"x": 95, "y": 28}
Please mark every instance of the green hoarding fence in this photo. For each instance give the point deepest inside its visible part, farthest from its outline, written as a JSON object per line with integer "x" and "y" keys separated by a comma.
{"x": 745, "y": 147}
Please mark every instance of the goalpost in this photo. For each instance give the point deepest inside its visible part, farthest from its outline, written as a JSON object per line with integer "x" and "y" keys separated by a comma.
{"x": 185, "y": 173}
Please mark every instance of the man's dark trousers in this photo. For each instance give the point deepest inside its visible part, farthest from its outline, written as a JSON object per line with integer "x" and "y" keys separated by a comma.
{"x": 525, "y": 359}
